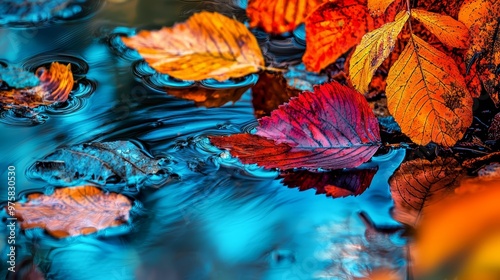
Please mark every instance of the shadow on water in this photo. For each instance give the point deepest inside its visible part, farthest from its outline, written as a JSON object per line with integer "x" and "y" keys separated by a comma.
{"x": 219, "y": 219}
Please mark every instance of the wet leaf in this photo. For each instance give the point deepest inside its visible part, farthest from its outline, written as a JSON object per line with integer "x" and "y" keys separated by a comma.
{"x": 420, "y": 183}
{"x": 335, "y": 27}
{"x": 373, "y": 49}
{"x": 458, "y": 224}
{"x": 484, "y": 24}
{"x": 98, "y": 163}
{"x": 209, "y": 97}
{"x": 332, "y": 127}
{"x": 427, "y": 95}
{"x": 448, "y": 30}
{"x": 378, "y": 7}
{"x": 55, "y": 85}
{"x": 271, "y": 91}
{"x": 279, "y": 16}
{"x": 336, "y": 183}
{"x": 208, "y": 45}
{"x": 73, "y": 211}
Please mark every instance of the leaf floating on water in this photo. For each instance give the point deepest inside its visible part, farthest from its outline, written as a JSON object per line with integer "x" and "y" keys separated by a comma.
{"x": 482, "y": 19}
{"x": 73, "y": 211}
{"x": 335, "y": 27}
{"x": 374, "y": 48}
{"x": 208, "y": 45}
{"x": 279, "y": 16}
{"x": 99, "y": 163}
{"x": 419, "y": 183}
{"x": 55, "y": 85}
{"x": 332, "y": 127}
{"x": 427, "y": 95}
{"x": 448, "y": 30}
{"x": 336, "y": 183}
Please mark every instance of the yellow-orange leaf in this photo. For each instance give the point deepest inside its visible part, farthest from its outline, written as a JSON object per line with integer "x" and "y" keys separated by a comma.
{"x": 448, "y": 30}
{"x": 278, "y": 16}
{"x": 73, "y": 211}
{"x": 473, "y": 11}
{"x": 55, "y": 85}
{"x": 374, "y": 48}
{"x": 207, "y": 45}
{"x": 459, "y": 223}
{"x": 427, "y": 95}
{"x": 378, "y": 7}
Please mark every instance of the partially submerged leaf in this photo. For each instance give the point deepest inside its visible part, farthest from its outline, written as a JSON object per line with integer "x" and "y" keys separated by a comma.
{"x": 336, "y": 183}
{"x": 207, "y": 45}
{"x": 209, "y": 97}
{"x": 373, "y": 49}
{"x": 420, "y": 183}
{"x": 378, "y": 7}
{"x": 98, "y": 163}
{"x": 335, "y": 27}
{"x": 427, "y": 95}
{"x": 55, "y": 85}
{"x": 279, "y": 16}
{"x": 458, "y": 224}
{"x": 448, "y": 30}
{"x": 332, "y": 127}
{"x": 73, "y": 211}
{"x": 485, "y": 46}
{"x": 271, "y": 91}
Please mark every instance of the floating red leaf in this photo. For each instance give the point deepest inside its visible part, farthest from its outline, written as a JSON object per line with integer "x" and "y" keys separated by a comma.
{"x": 336, "y": 183}
{"x": 332, "y": 127}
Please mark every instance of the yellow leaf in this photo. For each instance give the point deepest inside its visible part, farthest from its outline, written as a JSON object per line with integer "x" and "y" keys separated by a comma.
{"x": 378, "y": 7}
{"x": 207, "y": 45}
{"x": 448, "y": 30}
{"x": 374, "y": 48}
{"x": 427, "y": 95}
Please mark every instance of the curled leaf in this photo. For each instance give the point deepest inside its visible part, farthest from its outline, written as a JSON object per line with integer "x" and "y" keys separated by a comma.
{"x": 373, "y": 49}
{"x": 420, "y": 183}
{"x": 427, "y": 95}
{"x": 281, "y": 15}
{"x": 55, "y": 85}
{"x": 336, "y": 183}
{"x": 332, "y": 127}
{"x": 207, "y": 45}
{"x": 448, "y": 30}
{"x": 74, "y": 211}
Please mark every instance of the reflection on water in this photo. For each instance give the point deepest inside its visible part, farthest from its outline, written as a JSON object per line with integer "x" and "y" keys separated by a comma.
{"x": 218, "y": 219}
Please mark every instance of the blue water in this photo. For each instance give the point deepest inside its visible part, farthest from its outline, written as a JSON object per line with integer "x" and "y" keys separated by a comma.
{"x": 218, "y": 219}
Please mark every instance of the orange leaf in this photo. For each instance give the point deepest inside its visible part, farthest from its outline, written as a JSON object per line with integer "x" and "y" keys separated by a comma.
{"x": 207, "y": 45}
{"x": 427, "y": 95}
{"x": 209, "y": 97}
{"x": 55, "y": 86}
{"x": 419, "y": 183}
{"x": 455, "y": 225}
{"x": 485, "y": 45}
{"x": 448, "y": 30}
{"x": 73, "y": 211}
{"x": 335, "y": 27}
{"x": 374, "y": 48}
{"x": 278, "y": 16}
{"x": 378, "y": 7}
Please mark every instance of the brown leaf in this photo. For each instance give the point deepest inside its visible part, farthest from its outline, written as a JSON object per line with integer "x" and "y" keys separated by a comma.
{"x": 271, "y": 91}
{"x": 427, "y": 95}
{"x": 279, "y": 16}
{"x": 207, "y": 45}
{"x": 55, "y": 85}
{"x": 73, "y": 211}
{"x": 485, "y": 45}
{"x": 419, "y": 183}
{"x": 494, "y": 130}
